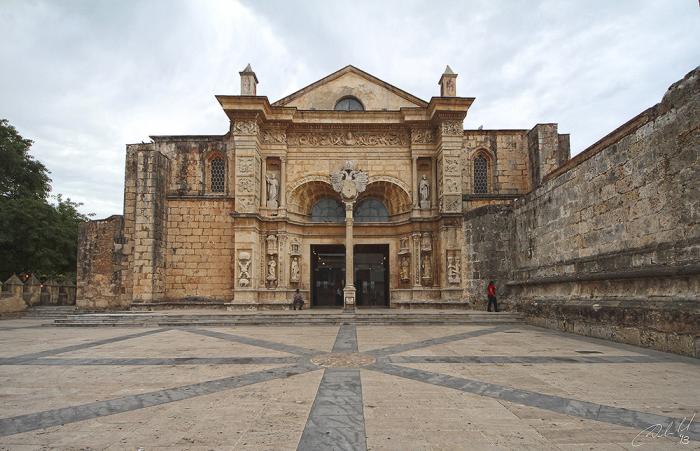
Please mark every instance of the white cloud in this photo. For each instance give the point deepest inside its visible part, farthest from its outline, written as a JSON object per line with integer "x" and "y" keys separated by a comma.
{"x": 83, "y": 78}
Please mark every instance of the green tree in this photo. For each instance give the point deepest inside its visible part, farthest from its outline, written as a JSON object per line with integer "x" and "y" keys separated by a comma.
{"x": 36, "y": 235}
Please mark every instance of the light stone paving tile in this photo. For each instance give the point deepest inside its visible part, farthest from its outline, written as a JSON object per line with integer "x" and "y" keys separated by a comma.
{"x": 215, "y": 421}
{"x": 603, "y": 413}
{"x": 320, "y": 338}
{"x": 253, "y": 341}
{"x": 523, "y": 340}
{"x": 371, "y": 338}
{"x": 176, "y": 343}
{"x": 51, "y": 341}
{"x": 630, "y": 386}
{"x": 29, "y": 389}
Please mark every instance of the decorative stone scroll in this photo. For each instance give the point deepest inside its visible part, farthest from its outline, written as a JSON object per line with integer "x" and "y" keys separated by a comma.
{"x": 422, "y": 136}
{"x": 452, "y": 128}
{"x": 249, "y": 127}
{"x": 244, "y": 269}
{"x": 273, "y": 136}
{"x": 340, "y": 138}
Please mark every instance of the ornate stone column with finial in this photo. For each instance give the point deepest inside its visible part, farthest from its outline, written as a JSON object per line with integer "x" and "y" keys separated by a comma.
{"x": 349, "y": 182}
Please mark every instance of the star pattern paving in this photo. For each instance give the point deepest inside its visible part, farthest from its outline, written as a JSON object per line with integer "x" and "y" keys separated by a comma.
{"x": 336, "y": 419}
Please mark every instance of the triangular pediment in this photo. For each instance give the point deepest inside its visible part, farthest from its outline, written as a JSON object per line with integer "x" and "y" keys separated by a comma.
{"x": 373, "y": 93}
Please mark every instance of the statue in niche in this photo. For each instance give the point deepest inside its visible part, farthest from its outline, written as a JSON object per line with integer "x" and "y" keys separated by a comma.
{"x": 294, "y": 273}
{"x": 271, "y": 244}
{"x": 244, "y": 269}
{"x": 424, "y": 191}
{"x": 404, "y": 269}
{"x": 273, "y": 188}
{"x": 427, "y": 267}
{"x": 453, "y": 270}
{"x": 425, "y": 242}
{"x": 271, "y": 270}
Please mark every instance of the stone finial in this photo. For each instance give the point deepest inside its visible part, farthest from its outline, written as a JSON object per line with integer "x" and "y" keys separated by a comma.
{"x": 448, "y": 83}
{"x": 249, "y": 81}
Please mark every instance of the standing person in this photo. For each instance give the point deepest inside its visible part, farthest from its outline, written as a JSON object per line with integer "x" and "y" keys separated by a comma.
{"x": 491, "y": 293}
{"x": 297, "y": 300}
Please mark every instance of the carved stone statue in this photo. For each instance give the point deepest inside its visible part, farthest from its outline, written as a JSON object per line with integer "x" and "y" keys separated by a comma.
{"x": 273, "y": 187}
{"x": 427, "y": 267}
{"x": 404, "y": 274}
{"x": 244, "y": 269}
{"x": 349, "y": 182}
{"x": 271, "y": 270}
{"x": 424, "y": 192}
{"x": 294, "y": 271}
{"x": 453, "y": 270}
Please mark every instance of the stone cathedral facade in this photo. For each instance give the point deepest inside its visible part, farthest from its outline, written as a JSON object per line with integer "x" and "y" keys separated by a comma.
{"x": 247, "y": 217}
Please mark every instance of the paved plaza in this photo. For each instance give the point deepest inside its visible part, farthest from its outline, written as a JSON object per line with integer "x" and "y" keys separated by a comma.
{"x": 339, "y": 387}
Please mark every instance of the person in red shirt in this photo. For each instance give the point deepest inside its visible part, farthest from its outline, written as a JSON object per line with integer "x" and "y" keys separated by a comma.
{"x": 491, "y": 293}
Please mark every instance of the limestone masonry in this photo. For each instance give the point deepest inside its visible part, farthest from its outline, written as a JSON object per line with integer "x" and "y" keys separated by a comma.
{"x": 605, "y": 244}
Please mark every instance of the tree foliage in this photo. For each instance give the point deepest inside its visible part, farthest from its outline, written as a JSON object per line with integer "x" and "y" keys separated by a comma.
{"x": 38, "y": 234}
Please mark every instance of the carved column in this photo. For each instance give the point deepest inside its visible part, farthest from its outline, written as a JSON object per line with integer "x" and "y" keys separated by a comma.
{"x": 435, "y": 184}
{"x": 283, "y": 183}
{"x": 415, "y": 183}
{"x": 349, "y": 291}
{"x": 263, "y": 183}
{"x": 416, "y": 260}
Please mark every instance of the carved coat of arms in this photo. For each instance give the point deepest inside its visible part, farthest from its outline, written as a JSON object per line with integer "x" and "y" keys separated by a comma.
{"x": 349, "y": 182}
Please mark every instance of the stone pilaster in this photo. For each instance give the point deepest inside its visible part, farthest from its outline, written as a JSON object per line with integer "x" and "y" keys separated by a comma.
{"x": 248, "y": 165}
{"x": 449, "y": 186}
{"x": 149, "y": 233}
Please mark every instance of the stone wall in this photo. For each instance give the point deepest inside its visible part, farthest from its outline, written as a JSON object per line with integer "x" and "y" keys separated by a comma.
{"x": 100, "y": 264}
{"x": 199, "y": 251}
{"x": 609, "y": 244}
{"x": 487, "y": 242}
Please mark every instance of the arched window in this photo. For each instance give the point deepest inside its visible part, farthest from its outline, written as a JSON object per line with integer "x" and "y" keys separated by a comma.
{"x": 481, "y": 175}
{"x": 327, "y": 210}
{"x": 371, "y": 210}
{"x": 349, "y": 104}
{"x": 217, "y": 175}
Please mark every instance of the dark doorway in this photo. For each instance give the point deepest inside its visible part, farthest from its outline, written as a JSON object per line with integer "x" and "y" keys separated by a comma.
{"x": 327, "y": 275}
{"x": 372, "y": 275}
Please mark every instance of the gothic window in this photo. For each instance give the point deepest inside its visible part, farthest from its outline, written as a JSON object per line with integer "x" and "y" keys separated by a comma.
{"x": 327, "y": 210}
{"x": 349, "y": 104}
{"x": 217, "y": 175}
{"x": 481, "y": 175}
{"x": 371, "y": 210}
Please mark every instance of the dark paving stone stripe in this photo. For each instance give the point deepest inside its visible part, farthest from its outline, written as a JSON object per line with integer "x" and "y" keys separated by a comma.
{"x": 496, "y": 359}
{"x": 51, "y": 352}
{"x": 58, "y": 417}
{"x": 336, "y": 420}
{"x": 573, "y": 407}
{"x": 255, "y": 342}
{"x": 435, "y": 341}
{"x": 346, "y": 340}
{"x": 159, "y": 361}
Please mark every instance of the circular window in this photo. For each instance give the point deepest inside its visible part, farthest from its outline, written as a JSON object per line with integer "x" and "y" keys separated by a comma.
{"x": 349, "y": 104}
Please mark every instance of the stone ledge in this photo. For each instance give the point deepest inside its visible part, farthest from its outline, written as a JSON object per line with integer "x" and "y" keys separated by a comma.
{"x": 642, "y": 273}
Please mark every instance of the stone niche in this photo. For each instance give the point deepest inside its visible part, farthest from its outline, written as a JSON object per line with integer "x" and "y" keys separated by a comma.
{"x": 424, "y": 168}
{"x": 272, "y": 183}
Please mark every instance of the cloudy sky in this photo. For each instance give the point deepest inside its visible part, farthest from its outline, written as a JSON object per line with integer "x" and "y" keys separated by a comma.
{"x": 83, "y": 78}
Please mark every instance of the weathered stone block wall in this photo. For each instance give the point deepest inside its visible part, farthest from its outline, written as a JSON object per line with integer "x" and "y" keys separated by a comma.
{"x": 149, "y": 216}
{"x": 199, "y": 250}
{"x": 487, "y": 252}
{"x": 100, "y": 264}
{"x": 547, "y": 151}
{"x": 507, "y": 151}
{"x": 609, "y": 244}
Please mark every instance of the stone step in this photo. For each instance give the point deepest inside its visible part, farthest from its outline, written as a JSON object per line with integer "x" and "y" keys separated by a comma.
{"x": 162, "y": 320}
